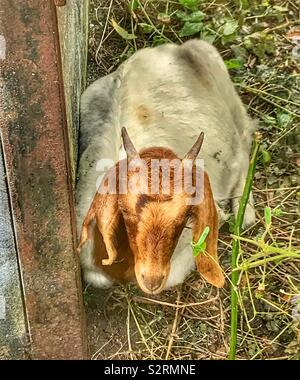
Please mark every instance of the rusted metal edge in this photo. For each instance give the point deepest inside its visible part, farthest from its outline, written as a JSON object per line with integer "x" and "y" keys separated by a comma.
{"x": 65, "y": 132}
{"x": 33, "y": 132}
{"x": 71, "y": 194}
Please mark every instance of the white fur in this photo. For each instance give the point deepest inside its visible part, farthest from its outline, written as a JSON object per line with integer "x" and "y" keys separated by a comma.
{"x": 97, "y": 279}
{"x": 91, "y": 273}
{"x": 182, "y": 262}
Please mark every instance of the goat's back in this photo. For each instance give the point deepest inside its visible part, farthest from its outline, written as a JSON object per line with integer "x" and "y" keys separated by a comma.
{"x": 170, "y": 93}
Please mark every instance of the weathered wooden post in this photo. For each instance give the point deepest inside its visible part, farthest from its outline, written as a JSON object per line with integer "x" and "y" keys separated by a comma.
{"x": 38, "y": 121}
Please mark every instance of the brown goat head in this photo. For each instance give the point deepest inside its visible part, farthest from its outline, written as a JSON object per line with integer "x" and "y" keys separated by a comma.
{"x": 154, "y": 214}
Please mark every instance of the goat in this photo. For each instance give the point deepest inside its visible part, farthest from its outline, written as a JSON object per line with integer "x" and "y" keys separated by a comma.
{"x": 164, "y": 96}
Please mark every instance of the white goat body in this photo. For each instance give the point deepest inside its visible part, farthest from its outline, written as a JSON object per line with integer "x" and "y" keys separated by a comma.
{"x": 165, "y": 96}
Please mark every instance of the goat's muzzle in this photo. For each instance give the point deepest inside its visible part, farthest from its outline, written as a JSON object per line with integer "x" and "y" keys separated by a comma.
{"x": 153, "y": 284}
{"x": 151, "y": 280}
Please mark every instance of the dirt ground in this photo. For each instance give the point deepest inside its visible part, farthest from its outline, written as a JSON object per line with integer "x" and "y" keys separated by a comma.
{"x": 193, "y": 320}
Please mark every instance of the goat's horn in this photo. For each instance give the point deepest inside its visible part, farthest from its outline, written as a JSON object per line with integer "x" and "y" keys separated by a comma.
{"x": 195, "y": 149}
{"x": 128, "y": 146}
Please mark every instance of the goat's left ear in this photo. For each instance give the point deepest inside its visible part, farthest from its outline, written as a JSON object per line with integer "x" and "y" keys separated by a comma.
{"x": 205, "y": 215}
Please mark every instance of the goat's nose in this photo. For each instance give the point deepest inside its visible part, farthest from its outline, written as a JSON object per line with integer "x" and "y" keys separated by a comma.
{"x": 152, "y": 283}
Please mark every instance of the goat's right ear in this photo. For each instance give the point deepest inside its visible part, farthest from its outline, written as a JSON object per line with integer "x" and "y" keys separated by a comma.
{"x": 105, "y": 212}
{"x": 205, "y": 215}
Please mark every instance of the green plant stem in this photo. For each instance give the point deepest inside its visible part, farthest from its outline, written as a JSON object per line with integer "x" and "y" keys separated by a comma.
{"x": 247, "y": 266}
{"x": 265, "y": 93}
{"x": 236, "y": 247}
{"x": 266, "y": 248}
{"x": 151, "y": 23}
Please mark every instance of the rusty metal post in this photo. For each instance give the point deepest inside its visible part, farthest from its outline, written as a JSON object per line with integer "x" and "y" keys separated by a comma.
{"x": 35, "y": 145}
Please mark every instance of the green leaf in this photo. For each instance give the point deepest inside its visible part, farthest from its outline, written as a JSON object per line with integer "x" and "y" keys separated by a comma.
{"x": 260, "y": 43}
{"x": 284, "y": 119}
{"x": 268, "y": 217}
{"x": 158, "y": 40}
{"x": 266, "y": 156}
{"x": 146, "y": 27}
{"x": 121, "y": 31}
{"x": 208, "y": 36}
{"x": 198, "y": 249}
{"x": 233, "y": 63}
{"x": 230, "y": 27}
{"x": 190, "y": 28}
{"x": 277, "y": 211}
{"x": 230, "y": 38}
{"x": 245, "y": 4}
{"x": 134, "y": 4}
{"x": 190, "y": 4}
{"x": 200, "y": 246}
{"x": 195, "y": 16}
{"x": 182, "y": 15}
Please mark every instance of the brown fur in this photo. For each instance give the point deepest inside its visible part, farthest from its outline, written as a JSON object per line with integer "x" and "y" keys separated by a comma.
{"x": 143, "y": 114}
{"x": 122, "y": 269}
{"x": 135, "y": 234}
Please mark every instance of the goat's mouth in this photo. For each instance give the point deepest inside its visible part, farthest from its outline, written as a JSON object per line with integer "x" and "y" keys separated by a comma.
{"x": 151, "y": 291}
{"x": 151, "y": 285}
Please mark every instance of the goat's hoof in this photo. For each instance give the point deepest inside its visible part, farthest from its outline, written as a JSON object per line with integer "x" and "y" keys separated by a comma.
{"x": 107, "y": 262}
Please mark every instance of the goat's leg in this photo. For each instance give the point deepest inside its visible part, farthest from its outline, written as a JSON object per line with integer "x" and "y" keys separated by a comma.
{"x": 97, "y": 278}
{"x": 93, "y": 274}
